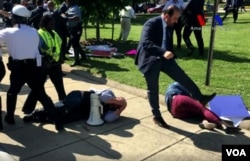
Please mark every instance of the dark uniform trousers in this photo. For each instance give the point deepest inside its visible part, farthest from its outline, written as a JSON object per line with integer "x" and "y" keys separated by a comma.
{"x": 75, "y": 34}
{"x": 55, "y": 74}
{"x": 26, "y": 71}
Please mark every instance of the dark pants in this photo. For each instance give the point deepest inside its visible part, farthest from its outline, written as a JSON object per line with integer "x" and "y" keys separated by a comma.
{"x": 198, "y": 36}
{"x": 235, "y": 11}
{"x": 55, "y": 74}
{"x": 75, "y": 34}
{"x": 76, "y": 107}
{"x": 173, "y": 70}
{"x": 63, "y": 46}
{"x": 27, "y": 72}
{"x": 177, "y": 28}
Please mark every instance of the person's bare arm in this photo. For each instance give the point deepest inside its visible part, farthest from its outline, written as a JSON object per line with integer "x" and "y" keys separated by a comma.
{"x": 4, "y": 13}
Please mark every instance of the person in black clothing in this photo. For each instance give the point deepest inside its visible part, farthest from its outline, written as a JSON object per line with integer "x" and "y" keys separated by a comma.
{"x": 232, "y": 6}
{"x": 190, "y": 17}
{"x": 7, "y": 6}
{"x": 74, "y": 25}
{"x": 36, "y": 14}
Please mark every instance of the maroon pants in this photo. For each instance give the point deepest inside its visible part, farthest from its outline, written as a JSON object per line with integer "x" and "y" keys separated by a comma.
{"x": 186, "y": 107}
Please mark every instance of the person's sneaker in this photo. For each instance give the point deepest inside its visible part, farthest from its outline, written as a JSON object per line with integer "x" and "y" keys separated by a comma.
{"x": 207, "y": 125}
{"x": 9, "y": 119}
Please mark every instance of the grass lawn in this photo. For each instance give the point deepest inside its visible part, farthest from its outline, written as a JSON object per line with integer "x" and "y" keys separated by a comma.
{"x": 230, "y": 65}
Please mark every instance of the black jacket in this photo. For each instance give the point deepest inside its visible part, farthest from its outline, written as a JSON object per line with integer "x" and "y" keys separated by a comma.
{"x": 191, "y": 12}
{"x": 36, "y": 16}
{"x": 149, "y": 48}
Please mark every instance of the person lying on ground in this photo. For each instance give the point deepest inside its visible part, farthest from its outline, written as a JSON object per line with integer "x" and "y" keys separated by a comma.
{"x": 181, "y": 105}
{"x": 77, "y": 106}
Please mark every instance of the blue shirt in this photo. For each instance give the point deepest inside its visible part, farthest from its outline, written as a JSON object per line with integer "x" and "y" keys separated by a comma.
{"x": 175, "y": 89}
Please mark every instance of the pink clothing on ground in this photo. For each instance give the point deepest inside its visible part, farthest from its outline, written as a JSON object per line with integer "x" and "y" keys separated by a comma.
{"x": 185, "y": 107}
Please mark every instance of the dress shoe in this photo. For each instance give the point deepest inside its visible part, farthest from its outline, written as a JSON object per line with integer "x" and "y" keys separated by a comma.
{"x": 190, "y": 51}
{"x": 9, "y": 119}
{"x": 232, "y": 130}
{"x": 28, "y": 118}
{"x": 59, "y": 127}
{"x": 206, "y": 98}
{"x": 160, "y": 122}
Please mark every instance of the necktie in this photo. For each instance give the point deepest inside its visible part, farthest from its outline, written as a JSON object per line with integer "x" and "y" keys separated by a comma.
{"x": 166, "y": 43}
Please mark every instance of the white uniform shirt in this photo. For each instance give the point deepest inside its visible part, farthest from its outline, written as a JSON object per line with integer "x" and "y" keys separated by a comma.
{"x": 22, "y": 43}
{"x": 128, "y": 12}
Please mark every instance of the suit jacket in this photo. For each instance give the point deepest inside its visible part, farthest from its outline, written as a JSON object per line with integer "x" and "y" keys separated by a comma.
{"x": 149, "y": 48}
{"x": 36, "y": 16}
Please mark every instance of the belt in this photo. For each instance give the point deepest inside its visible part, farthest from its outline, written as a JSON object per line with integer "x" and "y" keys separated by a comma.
{"x": 25, "y": 61}
{"x": 125, "y": 17}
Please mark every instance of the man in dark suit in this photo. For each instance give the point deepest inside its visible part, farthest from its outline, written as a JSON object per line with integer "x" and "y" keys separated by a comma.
{"x": 154, "y": 54}
{"x": 36, "y": 14}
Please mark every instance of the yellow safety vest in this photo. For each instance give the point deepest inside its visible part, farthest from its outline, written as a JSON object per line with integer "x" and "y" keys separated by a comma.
{"x": 51, "y": 43}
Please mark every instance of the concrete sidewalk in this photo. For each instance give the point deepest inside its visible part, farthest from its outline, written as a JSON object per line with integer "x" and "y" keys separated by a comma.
{"x": 133, "y": 137}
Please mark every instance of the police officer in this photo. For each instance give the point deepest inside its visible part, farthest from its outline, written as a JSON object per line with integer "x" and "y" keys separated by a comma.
{"x": 24, "y": 61}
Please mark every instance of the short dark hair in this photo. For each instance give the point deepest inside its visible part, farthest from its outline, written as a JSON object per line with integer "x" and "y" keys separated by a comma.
{"x": 170, "y": 10}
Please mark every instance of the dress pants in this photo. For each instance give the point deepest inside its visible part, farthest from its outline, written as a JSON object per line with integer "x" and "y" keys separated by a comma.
{"x": 55, "y": 74}
{"x": 178, "y": 28}
{"x": 174, "y": 71}
{"x": 27, "y": 72}
{"x": 75, "y": 34}
{"x": 198, "y": 36}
